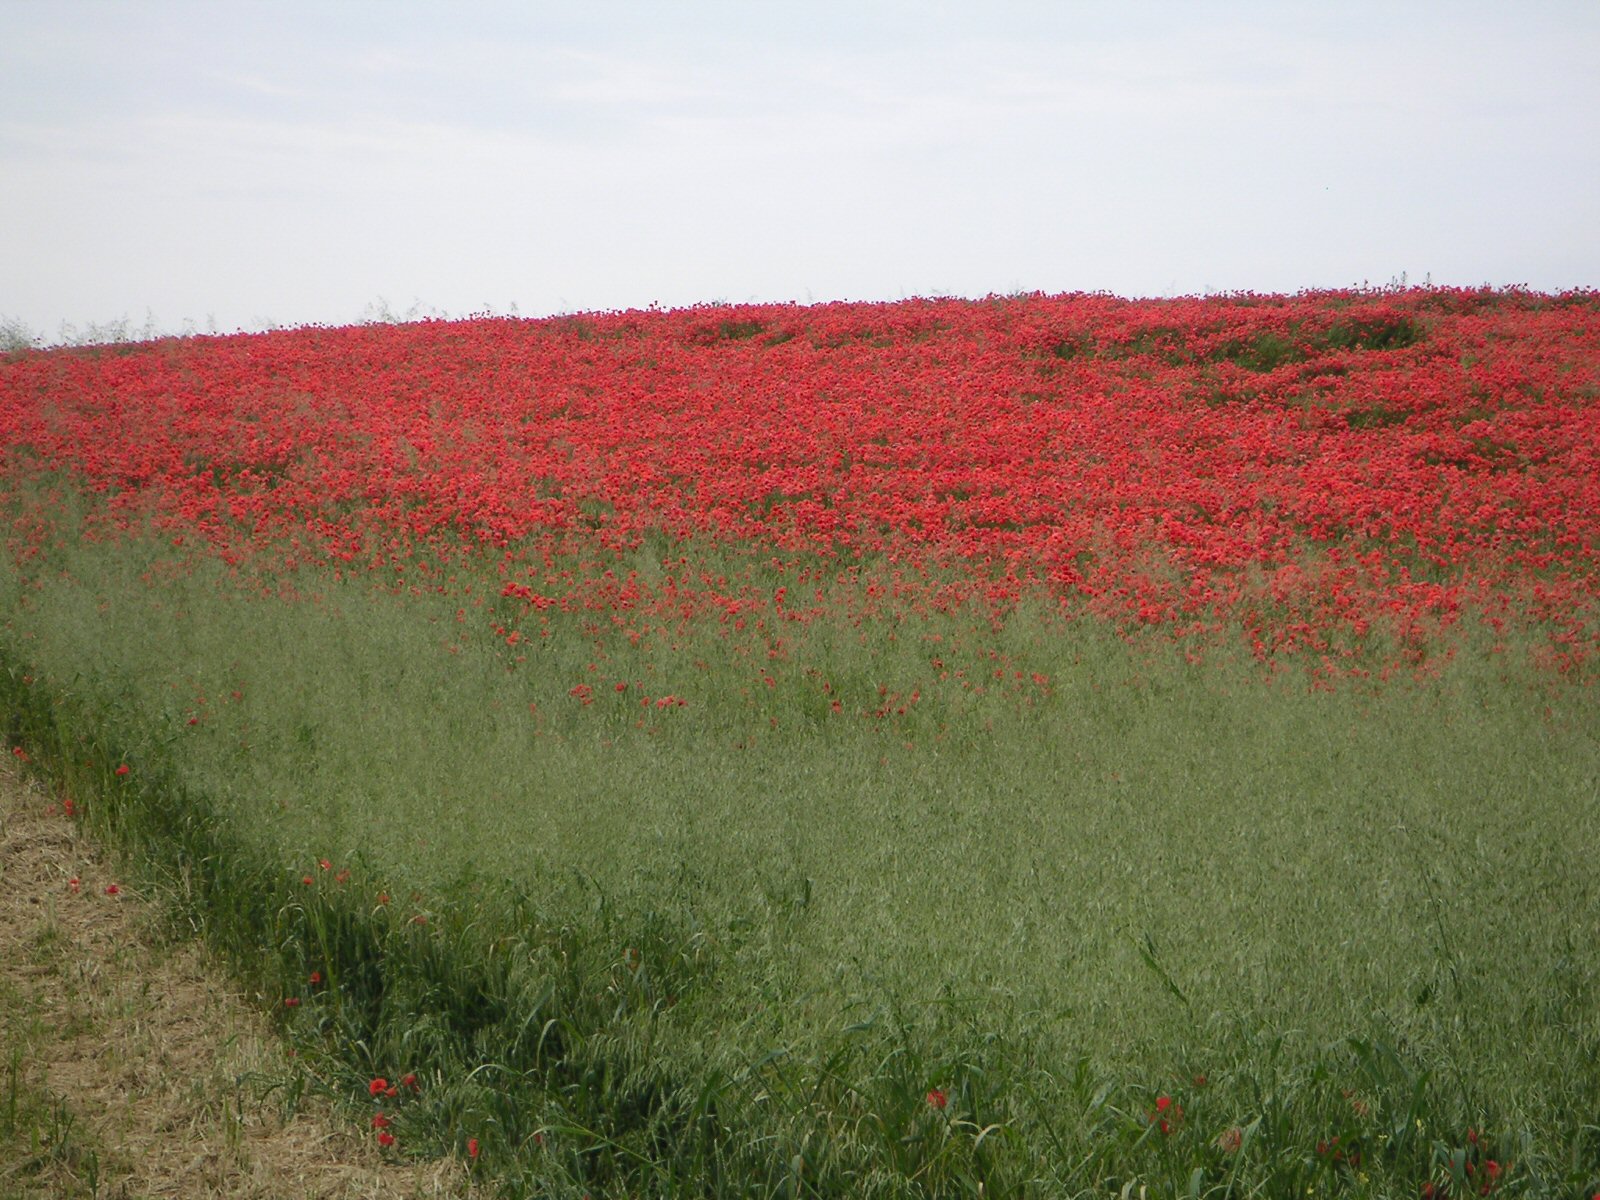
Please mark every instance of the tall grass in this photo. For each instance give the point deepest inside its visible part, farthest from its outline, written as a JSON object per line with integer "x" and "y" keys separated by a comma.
{"x": 748, "y": 945}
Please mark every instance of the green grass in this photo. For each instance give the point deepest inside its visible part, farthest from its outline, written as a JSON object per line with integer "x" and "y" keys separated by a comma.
{"x": 728, "y": 948}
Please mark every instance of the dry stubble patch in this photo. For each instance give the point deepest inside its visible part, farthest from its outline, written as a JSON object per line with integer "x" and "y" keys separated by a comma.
{"x": 134, "y": 1067}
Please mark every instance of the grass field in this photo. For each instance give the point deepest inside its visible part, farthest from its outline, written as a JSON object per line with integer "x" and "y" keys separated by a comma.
{"x": 680, "y": 822}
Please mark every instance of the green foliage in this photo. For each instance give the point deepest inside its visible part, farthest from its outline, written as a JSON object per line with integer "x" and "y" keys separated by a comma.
{"x": 1369, "y": 328}
{"x": 1265, "y": 352}
{"x": 1375, "y": 333}
{"x": 970, "y": 929}
{"x": 15, "y": 336}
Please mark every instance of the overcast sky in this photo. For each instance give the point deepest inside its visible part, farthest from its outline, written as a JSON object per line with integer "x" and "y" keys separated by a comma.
{"x": 233, "y": 165}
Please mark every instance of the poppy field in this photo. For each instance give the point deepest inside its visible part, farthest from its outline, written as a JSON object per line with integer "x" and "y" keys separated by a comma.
{"x": 1051, "y": 745}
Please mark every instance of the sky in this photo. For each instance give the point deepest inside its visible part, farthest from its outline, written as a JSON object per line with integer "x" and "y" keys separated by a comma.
{"x": 235, "y": 166}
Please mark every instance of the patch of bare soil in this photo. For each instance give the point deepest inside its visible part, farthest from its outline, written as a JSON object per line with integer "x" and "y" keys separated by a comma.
{"x": 130, "y": 1067}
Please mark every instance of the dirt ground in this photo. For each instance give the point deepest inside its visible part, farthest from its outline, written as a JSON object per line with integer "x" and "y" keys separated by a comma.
{"x": 130, "y": 1066}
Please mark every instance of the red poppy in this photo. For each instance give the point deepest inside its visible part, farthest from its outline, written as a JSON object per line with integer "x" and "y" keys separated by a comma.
{"x": 472, "y": 1147}
{"x": 379, "y": 1121}
{"x": 377, "y": 1086}
{"x": 1168, "y": 1113}
{"x": 123, "y": 769}
{"x": 937, "y": 1098}
{"x": 112, "y": 889}
{"x": 386, "y": 1139}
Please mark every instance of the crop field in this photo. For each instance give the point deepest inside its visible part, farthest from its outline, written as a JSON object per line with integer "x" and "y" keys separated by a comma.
{"x": 1038, "y": 746}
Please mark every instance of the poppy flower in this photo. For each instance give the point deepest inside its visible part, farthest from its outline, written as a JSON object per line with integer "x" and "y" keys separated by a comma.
{"x": 1168, "y": 1113}
{"x": 123, "y": 769}
{"x": 377, "y": 1086}
{"x": 385, "y": 1139}
{"x": 937, "y": 1099}
{"x": 472, "y": 1147}
{"x": 112, "y": 889}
